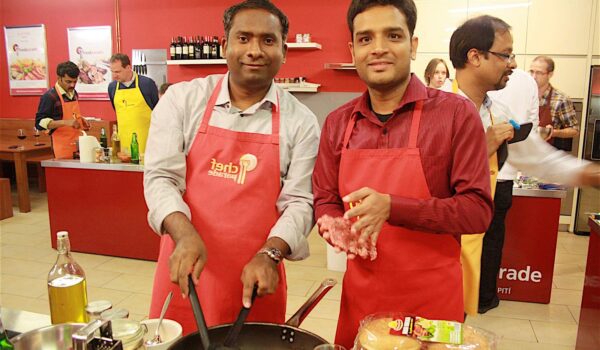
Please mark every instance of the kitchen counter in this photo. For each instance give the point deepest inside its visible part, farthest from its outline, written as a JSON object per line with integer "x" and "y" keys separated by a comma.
{"x": 527, "y": 266}
{"x": 23, "y": 321}
{"x": 588, "y": 332}
{"x": 76, "y": 164}
{"x": 536, "y": 192}
{"x": 102, "y": 206}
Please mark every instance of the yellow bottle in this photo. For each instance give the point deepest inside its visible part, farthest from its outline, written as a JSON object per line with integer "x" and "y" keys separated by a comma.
{"x": 67, "y": 290}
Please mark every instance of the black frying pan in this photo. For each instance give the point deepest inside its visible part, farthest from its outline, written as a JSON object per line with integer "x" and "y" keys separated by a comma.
{"x": 261, "y": 336}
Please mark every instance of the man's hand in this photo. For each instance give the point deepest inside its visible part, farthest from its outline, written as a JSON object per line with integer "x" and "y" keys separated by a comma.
{"x": 261, "y": 270}
{"x": 72, "y": 123}
{"x": 590, "y": 176}
{"x": 372, "y": 212}
{"x": 496, "y": 134}
{"x": 189, "y": 255}
{"x": 550, "y": 130}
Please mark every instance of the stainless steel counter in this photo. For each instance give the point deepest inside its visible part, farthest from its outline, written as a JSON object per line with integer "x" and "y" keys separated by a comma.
{"x": 76, "y": 164}
{"x": 23, "y": 321}
{"x": 526, "y": 192}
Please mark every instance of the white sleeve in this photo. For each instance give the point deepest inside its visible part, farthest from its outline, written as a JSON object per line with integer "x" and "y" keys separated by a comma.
{"x": 165, "y": 161}
{"x": 534, "y": 156}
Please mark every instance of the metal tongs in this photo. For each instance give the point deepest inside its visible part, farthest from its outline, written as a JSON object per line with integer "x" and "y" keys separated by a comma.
{"x": 234, "y": 331}
{"x": 85, "y": 338}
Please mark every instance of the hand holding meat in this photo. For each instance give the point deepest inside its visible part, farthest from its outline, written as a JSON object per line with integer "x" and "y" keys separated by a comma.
{"x": 338, "y": 233}
{"x": 261, "y": 270}
{"x": 371, "y": 213}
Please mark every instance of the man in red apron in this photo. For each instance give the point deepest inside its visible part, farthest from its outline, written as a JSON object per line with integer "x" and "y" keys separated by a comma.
{"x": 414, "y": 160}
{"x": 556, "y": 108}
{"x": 242, "y": 151}
{"x": 58, "y": 111}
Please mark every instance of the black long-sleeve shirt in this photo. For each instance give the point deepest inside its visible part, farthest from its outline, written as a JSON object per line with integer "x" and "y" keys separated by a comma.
{"x": 50, "y": 107}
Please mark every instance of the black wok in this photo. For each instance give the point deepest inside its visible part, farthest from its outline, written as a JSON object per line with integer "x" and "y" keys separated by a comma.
{"x": 261, "y": 336}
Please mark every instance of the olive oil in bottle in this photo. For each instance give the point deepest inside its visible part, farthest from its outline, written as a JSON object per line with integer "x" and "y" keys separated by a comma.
{"x": 67, "y": 290}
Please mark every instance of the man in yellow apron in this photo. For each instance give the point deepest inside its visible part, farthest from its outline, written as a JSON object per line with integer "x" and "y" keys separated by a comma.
{"x": 58, "y": 111}
{"x": 468, "y": 62}
{"x": 133, "y": 97}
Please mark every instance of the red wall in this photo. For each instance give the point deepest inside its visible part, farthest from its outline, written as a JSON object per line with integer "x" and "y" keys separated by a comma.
{"x": 148, "y": 24}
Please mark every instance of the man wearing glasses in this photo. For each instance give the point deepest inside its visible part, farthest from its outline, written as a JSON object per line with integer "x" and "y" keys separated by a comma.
{"x": 557, "y": 113}
{"x": 481, "y": 51}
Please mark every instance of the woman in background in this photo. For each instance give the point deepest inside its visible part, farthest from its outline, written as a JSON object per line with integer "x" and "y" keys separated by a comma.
{"x": 436, "y": 73}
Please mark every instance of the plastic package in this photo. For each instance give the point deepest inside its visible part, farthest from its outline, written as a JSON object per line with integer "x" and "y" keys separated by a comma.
{"x": 384, "y": 331}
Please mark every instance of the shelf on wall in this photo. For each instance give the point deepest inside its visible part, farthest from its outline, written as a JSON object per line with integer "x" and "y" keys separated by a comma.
{"x": 300, "y": 87}
{"x": 340, "y": 66}
{"x": 196, "y": 62}
{"x": 304, "y": 46}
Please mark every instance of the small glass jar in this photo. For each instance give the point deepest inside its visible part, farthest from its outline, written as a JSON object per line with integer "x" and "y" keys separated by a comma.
{"x": 95, "y": 308}
{"x": 114, "y": 314}
{"x": 129, "y": 332}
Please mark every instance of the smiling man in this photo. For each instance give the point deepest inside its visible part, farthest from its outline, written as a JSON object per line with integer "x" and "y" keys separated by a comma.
{"x": 228, "y": 178}
{"x": 414, "y": 159}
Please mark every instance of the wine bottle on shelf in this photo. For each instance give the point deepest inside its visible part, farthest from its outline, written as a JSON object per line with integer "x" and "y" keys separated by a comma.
{"x": 205, "y": 49}
{"x": 191, "y": 50}
{"x": 216, "y": 48}
{"x": 135, "y": 149}
{"x": 178, "y": 49}
{"x": 172, "y": 49}
{"x": 184, "y": 49}
{"x": 198, "y": 48}
{"x": 67, "y": 292}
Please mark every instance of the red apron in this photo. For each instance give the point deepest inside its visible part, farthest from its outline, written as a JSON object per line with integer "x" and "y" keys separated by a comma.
{"x": 415, "y": 272}
{"x": 63, "y": 138}
{"x": 233, "y": 184}
{"x": 546, "y": 114}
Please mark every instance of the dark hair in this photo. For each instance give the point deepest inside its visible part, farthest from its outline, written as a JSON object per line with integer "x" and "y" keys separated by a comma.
{"x": 407, "y": 7}
{"x": 477, "y": 33}
{"x": 549, "y": 62}
{"x": 67, "y": 68}
{"x": 123, "y": 58}
{"x": 255, "y": 4}
{"x": 430, "y": 70}
{"x": 163, "y": 88}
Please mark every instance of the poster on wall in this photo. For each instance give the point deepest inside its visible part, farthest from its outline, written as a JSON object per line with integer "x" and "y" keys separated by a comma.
{"x": 90, "y": 49}
{"x": 27, "y": 59}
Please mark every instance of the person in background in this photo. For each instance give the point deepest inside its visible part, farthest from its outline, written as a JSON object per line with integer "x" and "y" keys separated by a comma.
{"x": 436, "y": 73}
{"x": 414, "y": 160}
{"x": 481, "y": 51}
{"x": 557, "y": 113}
{"x": 228, "y": 178}
{"x": 163, "y": 88}
{"x": 133, "y": 98}
{"x": 58, "y": 111}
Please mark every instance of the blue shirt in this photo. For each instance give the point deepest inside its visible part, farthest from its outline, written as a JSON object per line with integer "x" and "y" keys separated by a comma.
{"x": 147, "y": 87}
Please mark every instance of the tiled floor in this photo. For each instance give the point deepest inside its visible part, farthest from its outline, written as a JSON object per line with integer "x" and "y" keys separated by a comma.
{"x": 26, "y": 257}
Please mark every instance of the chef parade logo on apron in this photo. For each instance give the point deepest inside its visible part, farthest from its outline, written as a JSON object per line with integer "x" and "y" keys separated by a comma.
{"x": 235, "y": 172}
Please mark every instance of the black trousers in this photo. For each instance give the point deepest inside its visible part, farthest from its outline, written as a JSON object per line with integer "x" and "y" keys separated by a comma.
{"x": 493, "y": 241}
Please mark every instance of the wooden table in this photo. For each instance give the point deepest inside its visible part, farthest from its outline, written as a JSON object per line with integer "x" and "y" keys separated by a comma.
{"x": 19, "y": 156}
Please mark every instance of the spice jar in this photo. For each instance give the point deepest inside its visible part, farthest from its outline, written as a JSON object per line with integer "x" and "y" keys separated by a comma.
{"x": 129, "y": 332}
{"x": 95, "y": 308}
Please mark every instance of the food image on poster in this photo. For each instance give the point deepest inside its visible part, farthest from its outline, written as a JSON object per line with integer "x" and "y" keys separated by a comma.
{"x": 93, "y": 73}
{"x": 27, "y": 69}
{"x": 26, "y": 59}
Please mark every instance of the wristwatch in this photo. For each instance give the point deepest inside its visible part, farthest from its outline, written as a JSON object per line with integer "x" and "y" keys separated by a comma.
{"x": 273, "y": 253}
